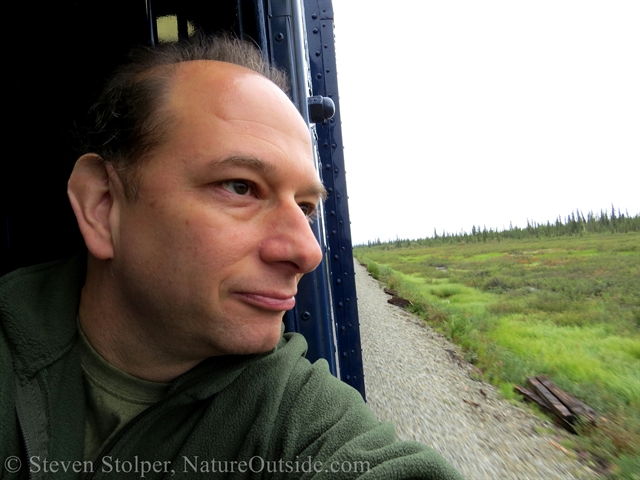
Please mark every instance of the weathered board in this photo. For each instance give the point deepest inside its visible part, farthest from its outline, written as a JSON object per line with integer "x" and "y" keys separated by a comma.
{"x": 556, "y": 406}
{"x": 579, "y": 409}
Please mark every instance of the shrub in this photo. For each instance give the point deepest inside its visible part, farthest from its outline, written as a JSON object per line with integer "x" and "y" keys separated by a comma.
{"x": 445, "y": 291}
{"x": 457, "y": 327}
{"x": 548, "y": 302}
{"x": 498, "y": 283}
{"x": 374, "y": 270}
{"x": 506, "y": 307}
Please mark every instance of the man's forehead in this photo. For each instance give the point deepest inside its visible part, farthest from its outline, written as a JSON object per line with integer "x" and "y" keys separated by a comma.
{"x": 237, "y": 117}
{"x": 223, "y": 76}
{"x": 228, "y": 89}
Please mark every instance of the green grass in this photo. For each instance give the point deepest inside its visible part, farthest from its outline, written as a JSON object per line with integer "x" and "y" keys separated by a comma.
{"x": 586, "y": 355}
{"x": 567, "y": 307}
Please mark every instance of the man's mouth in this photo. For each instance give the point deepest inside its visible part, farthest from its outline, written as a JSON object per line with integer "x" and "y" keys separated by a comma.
{"x": 273, "y": 301}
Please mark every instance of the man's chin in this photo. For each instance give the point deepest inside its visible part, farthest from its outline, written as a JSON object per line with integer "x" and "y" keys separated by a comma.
{"x": 254, "y": 344}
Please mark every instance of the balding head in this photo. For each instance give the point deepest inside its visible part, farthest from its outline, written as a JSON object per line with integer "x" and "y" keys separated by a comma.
{"x": 130, "y": 117}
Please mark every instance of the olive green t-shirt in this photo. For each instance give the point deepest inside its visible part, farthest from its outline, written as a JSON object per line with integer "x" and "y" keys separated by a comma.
{"x": 113, "y": 398}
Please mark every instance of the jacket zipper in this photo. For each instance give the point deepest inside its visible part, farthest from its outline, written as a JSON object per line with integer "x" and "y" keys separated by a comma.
{"x": 24, "y": 444}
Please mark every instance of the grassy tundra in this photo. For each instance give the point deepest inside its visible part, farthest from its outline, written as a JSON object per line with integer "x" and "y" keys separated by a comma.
{"x": 567, "y": 307}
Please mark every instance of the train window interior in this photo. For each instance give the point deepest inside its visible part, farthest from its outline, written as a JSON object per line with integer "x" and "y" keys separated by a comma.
{"x": 60, "y": 55}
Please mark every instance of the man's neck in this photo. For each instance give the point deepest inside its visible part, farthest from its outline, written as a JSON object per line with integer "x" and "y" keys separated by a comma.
{"x": 135, "y": 346}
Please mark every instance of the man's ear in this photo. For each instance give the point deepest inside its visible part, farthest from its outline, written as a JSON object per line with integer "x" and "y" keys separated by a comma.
{"x": 91, "y": 196}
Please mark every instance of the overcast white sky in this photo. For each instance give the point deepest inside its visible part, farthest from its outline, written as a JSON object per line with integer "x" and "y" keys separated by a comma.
{"x": 463, "y": 112}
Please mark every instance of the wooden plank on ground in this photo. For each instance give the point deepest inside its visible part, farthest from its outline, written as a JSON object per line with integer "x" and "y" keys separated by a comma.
{"x": 576, "y": 407}
{"x": 530, "y": 396}
{"x": 400, "y": 302}
{"x": 550, "y": 399}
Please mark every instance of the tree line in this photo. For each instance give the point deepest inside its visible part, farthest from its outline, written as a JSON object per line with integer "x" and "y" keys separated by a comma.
{"x": 576, "y": 223}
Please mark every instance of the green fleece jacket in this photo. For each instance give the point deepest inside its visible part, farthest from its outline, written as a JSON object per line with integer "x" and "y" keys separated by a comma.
{"x": 273, "y": 415}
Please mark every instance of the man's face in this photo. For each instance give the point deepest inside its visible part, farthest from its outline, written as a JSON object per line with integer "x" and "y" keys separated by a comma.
{"x": 210, "y": 255}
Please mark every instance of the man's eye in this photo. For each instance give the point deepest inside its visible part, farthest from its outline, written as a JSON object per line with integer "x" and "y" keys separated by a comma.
{"x": 239, "y": 187}
{"x": 310, "y": 211}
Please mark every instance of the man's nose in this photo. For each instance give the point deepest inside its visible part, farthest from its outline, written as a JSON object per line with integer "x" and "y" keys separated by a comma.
{"x": 290, "y": 241}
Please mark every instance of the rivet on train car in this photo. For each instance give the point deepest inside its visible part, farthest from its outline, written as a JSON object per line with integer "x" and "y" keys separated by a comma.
{"x": 315, "y": 30}
{"x": 279, "y": 37}
{"x": 314, "y": 16}
{"x": 338, "y": 281}
{"x": 340, "y": 304}
{"x": 333, "y": 213}
{"x": 305, "y": 316}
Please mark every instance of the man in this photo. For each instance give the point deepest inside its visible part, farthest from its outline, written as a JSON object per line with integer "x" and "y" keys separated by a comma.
{"x": 164, "y": 355}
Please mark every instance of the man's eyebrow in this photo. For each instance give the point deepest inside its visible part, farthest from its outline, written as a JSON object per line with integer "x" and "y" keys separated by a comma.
{"x": 247, "y": 162}
{"x": 315, "y": 190}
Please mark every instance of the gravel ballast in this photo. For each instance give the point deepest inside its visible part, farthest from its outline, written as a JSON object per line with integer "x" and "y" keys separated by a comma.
{"x": 415, "y": 379}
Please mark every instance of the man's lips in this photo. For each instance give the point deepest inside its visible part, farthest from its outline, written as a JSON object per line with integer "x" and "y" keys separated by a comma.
{"x": 268, "y": 301}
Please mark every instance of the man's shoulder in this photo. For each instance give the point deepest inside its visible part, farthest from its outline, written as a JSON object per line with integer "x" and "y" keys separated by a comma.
{"x": 42, "y": 275}
{"x": 317, "y": 415}
{"x": 38, "y": 308}
{"x": 41, "y": 290}
{"x": 285, "y": 386}
{"x": 305, "y": 376}
{"x": 287, "y": 364}
{"x": 303, "y": 398}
